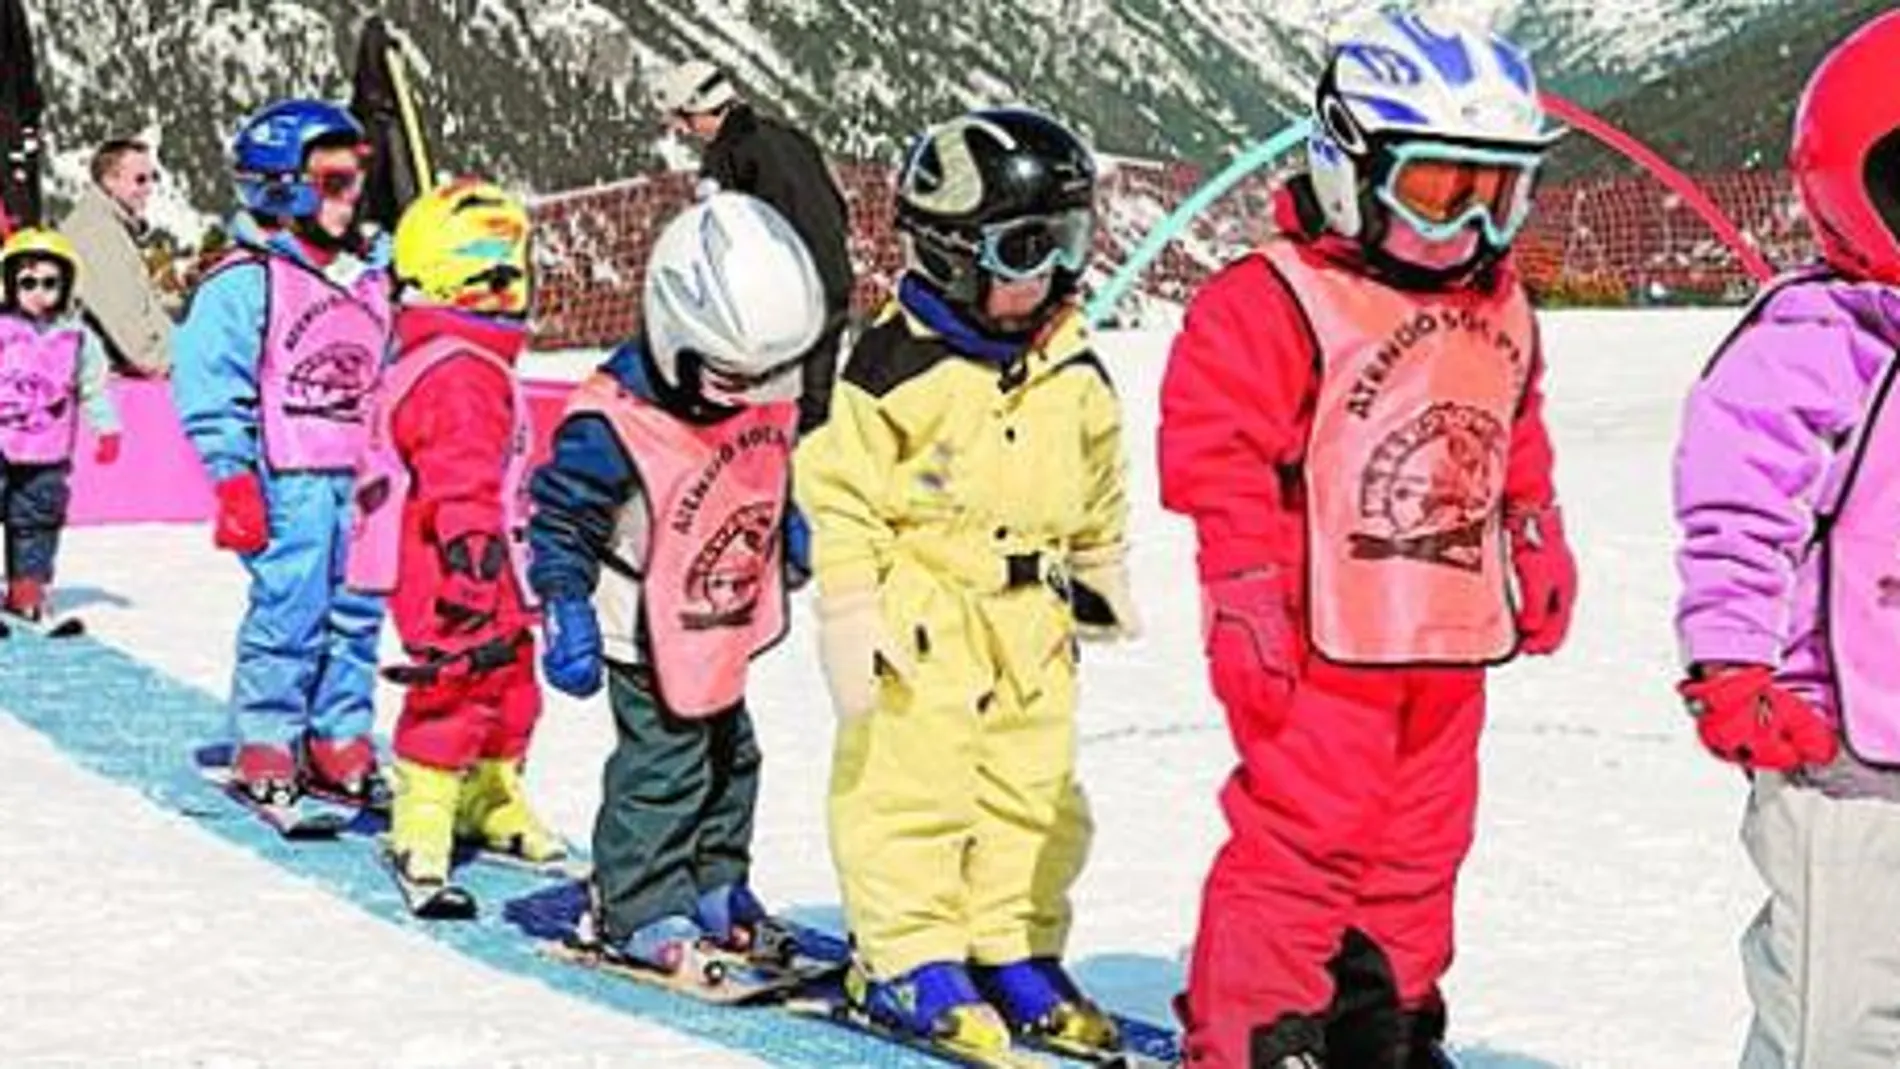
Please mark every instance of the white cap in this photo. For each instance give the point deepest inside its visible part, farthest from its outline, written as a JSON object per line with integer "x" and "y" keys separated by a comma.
{"x": 693, "y": 87}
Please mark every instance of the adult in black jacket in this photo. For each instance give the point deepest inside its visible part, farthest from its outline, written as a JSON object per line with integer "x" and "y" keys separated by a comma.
{"x": 776, "y": 162}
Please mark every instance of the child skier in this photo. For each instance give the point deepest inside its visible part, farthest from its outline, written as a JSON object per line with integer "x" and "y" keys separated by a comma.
{"x": 441, "y": 528}
{"x": 1353, "y": 421}
{"x": 1786, "y": 492}
{"x": 966, "y": 490}
{"x": 660, "y": 512}
{"x": 272, "y": 370}
{"x": 51, "y": 366}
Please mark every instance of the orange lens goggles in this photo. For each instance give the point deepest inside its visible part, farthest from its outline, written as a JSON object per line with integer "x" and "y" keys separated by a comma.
{"x": 1443, "y": 191}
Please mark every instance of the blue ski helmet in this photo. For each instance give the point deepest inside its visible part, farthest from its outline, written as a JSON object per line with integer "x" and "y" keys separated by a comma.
{"x": 270, "y": 149}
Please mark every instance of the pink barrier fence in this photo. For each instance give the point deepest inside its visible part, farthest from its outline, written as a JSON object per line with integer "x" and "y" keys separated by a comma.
{"x": 158, "y": 478}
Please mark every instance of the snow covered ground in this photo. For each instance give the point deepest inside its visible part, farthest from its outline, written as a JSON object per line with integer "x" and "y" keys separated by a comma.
{"x": 1598, "y": 916}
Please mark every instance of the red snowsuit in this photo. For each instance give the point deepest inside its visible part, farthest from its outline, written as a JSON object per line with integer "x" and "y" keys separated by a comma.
{"x": 1353, "y": 805}
{"x": 454, "y": 430}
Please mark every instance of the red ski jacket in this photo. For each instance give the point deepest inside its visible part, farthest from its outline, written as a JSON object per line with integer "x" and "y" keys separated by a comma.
{"x": 454, "y": 430}
{"x": 1237, "y": 404}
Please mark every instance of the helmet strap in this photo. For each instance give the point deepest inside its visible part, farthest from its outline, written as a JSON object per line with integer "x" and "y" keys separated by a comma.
{"x": 682, "y": 398}
{"x": 306, "y": 229}
{"x": 1308, "y": 219}
{"x": 1061, "y": 285}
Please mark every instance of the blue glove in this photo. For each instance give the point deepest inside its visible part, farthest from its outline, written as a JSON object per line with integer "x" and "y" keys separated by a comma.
{"x": 797, "y": 548}
{"x": 571, "y": 661}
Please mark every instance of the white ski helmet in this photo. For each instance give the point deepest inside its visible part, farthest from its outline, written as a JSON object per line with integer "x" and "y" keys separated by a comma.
{"x": 1439, "y": 91}
{"x": 732, "y": 302}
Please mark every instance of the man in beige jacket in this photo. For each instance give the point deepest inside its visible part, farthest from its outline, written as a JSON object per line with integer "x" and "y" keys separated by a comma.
{"x": 108, "y": 227}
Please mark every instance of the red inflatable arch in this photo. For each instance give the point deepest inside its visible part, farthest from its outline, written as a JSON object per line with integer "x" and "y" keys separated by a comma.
{"x": 1680, "y": 184}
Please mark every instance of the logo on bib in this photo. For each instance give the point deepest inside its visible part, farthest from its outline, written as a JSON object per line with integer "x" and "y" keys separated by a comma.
{"x": 31, "y": 403}
{"x": 727, "y": 576}
{"x": 1431, "y": 487}
{"x": 331, "y": 384}
{"x": 1888, "y": 587}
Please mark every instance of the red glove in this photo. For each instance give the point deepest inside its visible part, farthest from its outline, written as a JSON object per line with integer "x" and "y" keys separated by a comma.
{"x": 1546, "y": 578}
{"x": 243, "y": 523}
{"x": 106, "y": 450}
{"x": 1743, "y": 717}
{"x": 1253, "y": 644}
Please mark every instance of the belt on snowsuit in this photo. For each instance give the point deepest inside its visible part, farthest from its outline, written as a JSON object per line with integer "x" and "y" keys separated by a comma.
{"x": 988, "y": 571}
{"x": 1035, "y": 569}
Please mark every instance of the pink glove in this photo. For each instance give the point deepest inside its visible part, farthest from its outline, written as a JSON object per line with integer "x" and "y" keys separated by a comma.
{"x": 1546, "y": 578}
{"x": 1252, "y": 636}
{"x": 1745, "y": 718}
{"x": 105, "y": 451}
{"x": 243, "y": 523}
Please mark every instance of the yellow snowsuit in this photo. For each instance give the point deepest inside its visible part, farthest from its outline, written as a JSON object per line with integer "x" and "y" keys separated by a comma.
{"x": 959, "y": 491}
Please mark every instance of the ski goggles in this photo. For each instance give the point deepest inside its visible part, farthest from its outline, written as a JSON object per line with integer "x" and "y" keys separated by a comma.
{"x": 336, "y": 182}
{"x": 1036, "y": 245}
{"x": 1441, "y": 189}
{"x": 732, "y": 388}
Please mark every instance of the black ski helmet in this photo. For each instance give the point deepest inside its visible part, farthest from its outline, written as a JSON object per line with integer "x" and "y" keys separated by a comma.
{"x": 992, "y": 166}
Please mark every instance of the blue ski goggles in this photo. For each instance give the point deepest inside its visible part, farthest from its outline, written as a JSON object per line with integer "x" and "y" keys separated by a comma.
{"x": 1440, "y": 189}
{"x": 1035, "y": 245}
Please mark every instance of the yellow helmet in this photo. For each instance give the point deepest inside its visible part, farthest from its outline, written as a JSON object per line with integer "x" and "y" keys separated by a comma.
{"x": 465, "y": 245}
{"x": 43, "y": 242}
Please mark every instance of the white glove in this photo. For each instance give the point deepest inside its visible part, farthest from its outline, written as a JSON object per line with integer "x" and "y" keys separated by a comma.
{"x": 855, "y": 645}
{"x": 1104, "y": 609}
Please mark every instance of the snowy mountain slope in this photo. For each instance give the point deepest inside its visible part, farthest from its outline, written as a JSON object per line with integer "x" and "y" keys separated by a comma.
{"x": 548, "y": 93}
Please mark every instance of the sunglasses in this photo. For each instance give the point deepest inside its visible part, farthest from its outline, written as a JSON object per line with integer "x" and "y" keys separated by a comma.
{"x": 30, "y": 283}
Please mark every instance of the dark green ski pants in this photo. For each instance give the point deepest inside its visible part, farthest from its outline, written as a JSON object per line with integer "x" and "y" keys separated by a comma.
{"x": 675, "y": 809}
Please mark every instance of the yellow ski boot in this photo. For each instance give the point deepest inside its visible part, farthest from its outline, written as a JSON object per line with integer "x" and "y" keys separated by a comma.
{"x": 495, "y": 813}
{"x": 936, "y": 1004}
{"x": 1043, "y": 1005}
{"x": 421, "y": 839}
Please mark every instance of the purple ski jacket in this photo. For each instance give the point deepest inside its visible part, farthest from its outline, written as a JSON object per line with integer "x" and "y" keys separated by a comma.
{"x": 1763, "y": 451}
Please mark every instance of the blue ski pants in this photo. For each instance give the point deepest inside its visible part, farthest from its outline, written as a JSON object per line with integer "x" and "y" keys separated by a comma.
{"x": 306, "y": 651}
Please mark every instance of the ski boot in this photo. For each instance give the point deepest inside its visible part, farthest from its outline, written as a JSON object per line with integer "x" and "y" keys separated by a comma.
{"x": 267, "y": 775}
{"x": 1364, "y": 1028}
{"x": 734, "y": 919}
{"x": 495, "y": 813}
{"x": 937, "y": 1002}
{"x": 27, "y": 603}
{"x": 421, "y": 840}
{"x": 345, "y": 770}
{"x": 674, "y": 946}
{"x": 26, "y": 598}
{"x": 1042, "y": 1004}
{"x": 1425, "y": 1037}
{"x": 1291, "y": 1042}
